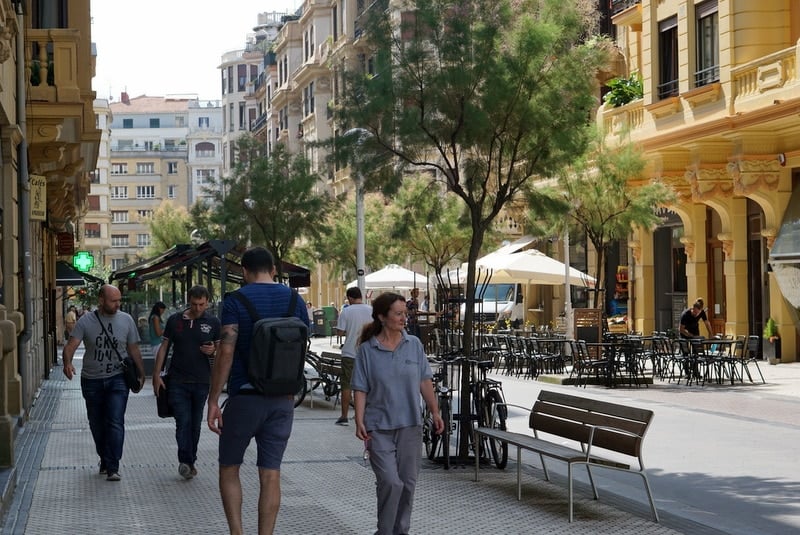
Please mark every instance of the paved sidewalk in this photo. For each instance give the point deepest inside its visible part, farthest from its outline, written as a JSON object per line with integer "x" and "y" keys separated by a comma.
{"x": 326, "y": 487}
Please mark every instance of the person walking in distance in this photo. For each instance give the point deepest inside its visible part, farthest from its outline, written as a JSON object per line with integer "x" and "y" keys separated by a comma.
{"x": 248, "y": 413}
{"x": 351, "y": 321}
{"x": 102, "y": 382}
{"x": 155, "y": 326}
{"x": 391, "y": 371}
{"x": 193, "y": 336}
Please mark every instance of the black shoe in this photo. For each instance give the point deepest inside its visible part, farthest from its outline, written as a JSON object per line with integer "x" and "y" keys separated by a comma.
{"x": 342, "y": 421}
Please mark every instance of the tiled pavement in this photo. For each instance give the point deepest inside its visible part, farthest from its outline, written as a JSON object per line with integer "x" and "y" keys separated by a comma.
{"x": 326, "y": 487}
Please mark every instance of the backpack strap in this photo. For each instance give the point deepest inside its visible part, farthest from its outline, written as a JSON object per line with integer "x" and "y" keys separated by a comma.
{"x": 247, "y": 304}
{"x": 292, "y": 304}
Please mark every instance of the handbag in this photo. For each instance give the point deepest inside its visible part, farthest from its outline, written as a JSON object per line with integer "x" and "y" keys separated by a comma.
{"x": 162, "y": 400}
{"x": 129, "y": 369}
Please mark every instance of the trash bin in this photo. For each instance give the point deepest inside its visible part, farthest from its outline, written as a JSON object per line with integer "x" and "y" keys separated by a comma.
{"x": 321, "y": 325}
{"x": 331, "y": 317}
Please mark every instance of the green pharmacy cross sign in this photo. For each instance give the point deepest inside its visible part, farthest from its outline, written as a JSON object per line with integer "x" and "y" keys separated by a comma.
{"x": 83, "y": 261}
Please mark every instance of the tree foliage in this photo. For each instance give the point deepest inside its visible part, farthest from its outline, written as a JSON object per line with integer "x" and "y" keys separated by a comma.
{"x": 485, "y": 94}
{"x": 169, "y": 226}
{"x": 606, "y": 201}
{"x": 338, "y": 245}
{"x": 429, "y": 225}
{"x": 271, "y": 200}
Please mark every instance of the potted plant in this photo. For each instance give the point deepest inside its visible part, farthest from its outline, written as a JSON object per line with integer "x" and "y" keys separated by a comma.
{"x": 624, "y": 90}
{"x": 772, "y": 342}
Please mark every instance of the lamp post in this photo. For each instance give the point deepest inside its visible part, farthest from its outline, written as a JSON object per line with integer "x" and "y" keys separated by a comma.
{"x": 568, "y": 293}
{"x": 359, "y": 183}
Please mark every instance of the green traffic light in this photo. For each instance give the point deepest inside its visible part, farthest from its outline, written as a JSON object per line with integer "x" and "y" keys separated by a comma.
{"x": 83, "y": 261}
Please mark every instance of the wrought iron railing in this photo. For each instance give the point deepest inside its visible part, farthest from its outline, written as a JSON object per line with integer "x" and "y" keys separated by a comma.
{"x": 706, "y": 76}
{"x": 621, "y": 5}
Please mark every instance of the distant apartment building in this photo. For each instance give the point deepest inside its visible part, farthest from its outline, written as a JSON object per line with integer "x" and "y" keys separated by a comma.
{"x": 162, "y": 149}
{"x": 94, "y": 233}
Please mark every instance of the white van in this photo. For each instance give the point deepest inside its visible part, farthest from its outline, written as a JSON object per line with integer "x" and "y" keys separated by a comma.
{"x": 498, "y": 301}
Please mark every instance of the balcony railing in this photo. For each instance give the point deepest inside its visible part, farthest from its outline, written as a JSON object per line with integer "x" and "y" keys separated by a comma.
{"x": 768, "y": 72}
{"x": 706, "y": 76}
{"x": 51, "y": 60}
{"x": 617, "y": 6}
{"x": 668, "y": 89}
{"x": 624, "y": 118}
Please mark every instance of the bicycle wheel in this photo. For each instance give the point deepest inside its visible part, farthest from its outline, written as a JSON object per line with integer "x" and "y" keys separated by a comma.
{"x": 300, "y": 395}
{"x": 497, "y": 420}
{"x": 444, "y": 438}
{"x": 429, "y": 438}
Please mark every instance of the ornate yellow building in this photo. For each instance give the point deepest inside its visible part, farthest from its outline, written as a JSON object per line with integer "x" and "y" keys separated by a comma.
{"x": 720, "y": 122}
{"x": 48, "y": 143}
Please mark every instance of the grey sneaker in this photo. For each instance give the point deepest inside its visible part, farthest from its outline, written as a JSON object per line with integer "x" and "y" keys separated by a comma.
{"x": 194, "y": 470}
{"x": 342, "y": 421}
{"x": 185, "y": 471}
{"x": 113, "y": 476}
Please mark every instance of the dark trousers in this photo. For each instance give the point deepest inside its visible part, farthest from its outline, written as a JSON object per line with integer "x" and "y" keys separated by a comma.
{"x": 187, "y": 401}
{"x": 106, "y": 401}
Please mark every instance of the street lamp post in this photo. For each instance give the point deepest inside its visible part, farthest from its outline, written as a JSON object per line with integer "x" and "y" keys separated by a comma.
{"x": 359, "y": 183}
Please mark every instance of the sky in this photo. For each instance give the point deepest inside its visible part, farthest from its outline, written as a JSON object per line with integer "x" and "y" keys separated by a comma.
{"x": 163, "y": 47}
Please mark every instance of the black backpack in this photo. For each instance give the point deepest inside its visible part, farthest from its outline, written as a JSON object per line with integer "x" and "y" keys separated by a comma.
{"x": 277, "y": 350}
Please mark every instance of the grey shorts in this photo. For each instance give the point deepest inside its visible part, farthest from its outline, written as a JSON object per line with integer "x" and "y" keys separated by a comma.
{"x": 347, "y": 372}
{"x": 267, "y": 419}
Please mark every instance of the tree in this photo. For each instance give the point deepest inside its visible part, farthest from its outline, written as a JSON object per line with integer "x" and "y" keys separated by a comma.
{"x": 429, "y": 225}
{"x": 169, "y": 226}
{"x": 338, "y": 245}
{"x": 608, "y": 198}
{"x": 271, "y": 199}
{"x": 486, "y": 94}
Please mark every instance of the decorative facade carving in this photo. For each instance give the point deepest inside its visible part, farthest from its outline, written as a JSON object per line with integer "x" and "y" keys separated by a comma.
{"x": 727, "y": 244}
{"x": 688, "y": 244}
{"x": 769, "y": 234}
{"x": 636, "y": 250}
{"x": 709, "y": 183}
{"x": 754, "y": 175}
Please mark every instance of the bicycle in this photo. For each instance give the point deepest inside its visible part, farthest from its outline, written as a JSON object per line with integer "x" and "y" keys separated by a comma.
{"x": 490, "y": 410}
{"x": 439, "y": 443}
{"x": 316, "y": 374}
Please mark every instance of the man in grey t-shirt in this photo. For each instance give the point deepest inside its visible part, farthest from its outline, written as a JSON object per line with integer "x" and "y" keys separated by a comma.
{"x": 102, "y": 382}
{"x": 351, "y": 322}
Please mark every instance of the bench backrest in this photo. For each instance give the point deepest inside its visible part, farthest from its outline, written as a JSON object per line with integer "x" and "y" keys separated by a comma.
{"x": 570, "y": 417}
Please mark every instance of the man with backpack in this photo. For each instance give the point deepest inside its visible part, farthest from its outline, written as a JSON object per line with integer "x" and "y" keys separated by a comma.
{"x": 257, "y": 406}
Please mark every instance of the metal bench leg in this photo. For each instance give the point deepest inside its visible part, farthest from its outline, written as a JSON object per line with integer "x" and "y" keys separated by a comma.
{"x": 519, "y": 474}
{"x": 591, "y": 480}
{"x": 650, "y": 496}
{"x": 569, "y": 484}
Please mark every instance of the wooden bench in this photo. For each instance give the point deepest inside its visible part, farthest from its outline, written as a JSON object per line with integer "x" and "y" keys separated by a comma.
{"x": 592, "y": 425}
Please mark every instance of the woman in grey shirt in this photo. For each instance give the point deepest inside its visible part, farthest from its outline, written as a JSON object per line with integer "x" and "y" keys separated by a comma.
{"x": 391, "y": 371}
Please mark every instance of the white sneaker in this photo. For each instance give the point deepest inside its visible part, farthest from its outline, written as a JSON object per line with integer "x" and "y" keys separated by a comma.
{"x": 185, "y": 471}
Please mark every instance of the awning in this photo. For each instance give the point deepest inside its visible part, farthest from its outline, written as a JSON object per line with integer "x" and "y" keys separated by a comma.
{"x": 215, "y": 258}
{"x": 66, "y": 275}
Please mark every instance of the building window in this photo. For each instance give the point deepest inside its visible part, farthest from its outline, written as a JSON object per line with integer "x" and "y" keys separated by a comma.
{"x": 125, "y": 144}
{"x": 145, "y": 168}
{"x": 172, "y": 191}
{"x": 127, "y": 123}
{"x": 94, "y": 177}
{"x": 205, "y": 175}
{"x": 145, "y": 192}
{"x": 143, "y": 240}
{"x": 94, "y": 202}
{"x": 308, "y": 99}
{"x": 119, "y": 216}
{"x": 119, "y": 240}
{"x": 119, "y": 169}
{"x": 117, "y": 264}
{"x": 119, "y": 192}
{"x": 172, "y": 168}
{"x": 668, "y": 57}
{"x": 91, "y": 230}
{"x": 204, "y": 150}
{"x": 180, "y": 121}
{"x": 241, "y": 71}
{"x": 202, "y": 122}
{"x": 144, "y": 214}
{"x": 155, "y": 123}
{"x": 707, "y": 44}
